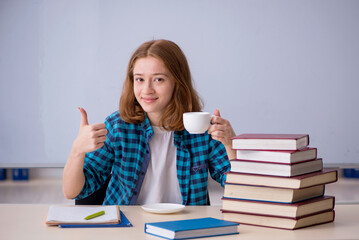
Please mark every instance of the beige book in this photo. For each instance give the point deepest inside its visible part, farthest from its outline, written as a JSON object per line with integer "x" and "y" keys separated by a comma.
{"x": 272, "y": 194}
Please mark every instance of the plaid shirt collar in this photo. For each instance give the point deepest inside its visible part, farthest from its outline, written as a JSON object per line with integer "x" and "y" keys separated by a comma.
{"x": 148, "y": 131}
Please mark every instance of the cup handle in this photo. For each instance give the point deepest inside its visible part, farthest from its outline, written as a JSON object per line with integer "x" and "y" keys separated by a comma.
{"x": 211, "y": 119}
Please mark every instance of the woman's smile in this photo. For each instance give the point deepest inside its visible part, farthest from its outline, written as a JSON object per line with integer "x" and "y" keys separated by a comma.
{"x": 149, "y": 100}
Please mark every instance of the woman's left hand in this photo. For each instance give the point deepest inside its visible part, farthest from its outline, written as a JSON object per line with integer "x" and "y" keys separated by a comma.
{"x": 221, "y": 130}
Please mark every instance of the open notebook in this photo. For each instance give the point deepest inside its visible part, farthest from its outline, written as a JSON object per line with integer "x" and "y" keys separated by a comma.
{"x": 59, "y": 215}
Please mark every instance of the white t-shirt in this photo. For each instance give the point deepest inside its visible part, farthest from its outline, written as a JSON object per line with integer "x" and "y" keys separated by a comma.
{"x": 160, "y": 184}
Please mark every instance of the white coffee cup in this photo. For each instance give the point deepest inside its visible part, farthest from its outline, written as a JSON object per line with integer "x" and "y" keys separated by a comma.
{"x": 197, "y": 122}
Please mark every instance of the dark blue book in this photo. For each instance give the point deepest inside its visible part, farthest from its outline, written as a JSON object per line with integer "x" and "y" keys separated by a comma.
{"x": 192, "y": 228}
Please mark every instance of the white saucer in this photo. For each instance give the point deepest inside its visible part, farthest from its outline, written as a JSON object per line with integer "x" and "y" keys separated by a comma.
{"x": 163, "y": 208}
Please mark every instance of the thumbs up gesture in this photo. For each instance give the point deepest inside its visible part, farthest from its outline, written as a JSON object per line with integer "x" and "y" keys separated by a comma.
{"x": 90, "y": 137}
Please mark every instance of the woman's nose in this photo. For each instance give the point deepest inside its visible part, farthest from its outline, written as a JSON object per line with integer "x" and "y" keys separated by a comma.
{"x": 148, "y": 87}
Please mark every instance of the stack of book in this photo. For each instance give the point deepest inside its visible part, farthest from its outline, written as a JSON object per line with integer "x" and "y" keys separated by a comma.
{"x": 277, "y": 181}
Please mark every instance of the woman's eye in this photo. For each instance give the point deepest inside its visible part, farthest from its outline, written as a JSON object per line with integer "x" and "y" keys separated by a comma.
{"x": 138, "y": 79}
{"x": 159, "y": 79}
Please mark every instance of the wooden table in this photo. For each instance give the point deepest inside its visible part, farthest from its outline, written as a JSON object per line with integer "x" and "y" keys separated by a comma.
{"x": 27, "y": 221}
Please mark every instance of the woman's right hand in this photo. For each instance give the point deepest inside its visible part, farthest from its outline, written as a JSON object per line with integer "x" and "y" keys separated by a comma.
{"x": 90, "y": 137}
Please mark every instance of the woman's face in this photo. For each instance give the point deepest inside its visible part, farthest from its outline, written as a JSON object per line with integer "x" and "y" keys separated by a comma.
{"x": 153, "y": 86}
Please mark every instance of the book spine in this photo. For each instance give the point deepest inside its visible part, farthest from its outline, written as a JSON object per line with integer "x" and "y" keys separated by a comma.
{"x": 281, "y": 163}
{"x": 277, "y": 216}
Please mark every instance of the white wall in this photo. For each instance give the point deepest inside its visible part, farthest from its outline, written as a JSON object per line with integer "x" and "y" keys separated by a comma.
{"x": 269, "y": 66}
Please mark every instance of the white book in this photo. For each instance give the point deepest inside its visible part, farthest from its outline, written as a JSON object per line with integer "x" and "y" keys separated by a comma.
{"x": 289, "y": 156}
{"x": 276, "y": 169}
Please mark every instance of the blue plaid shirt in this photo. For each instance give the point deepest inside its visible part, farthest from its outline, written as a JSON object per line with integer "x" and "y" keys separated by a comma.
{"x": 126, "y": 155}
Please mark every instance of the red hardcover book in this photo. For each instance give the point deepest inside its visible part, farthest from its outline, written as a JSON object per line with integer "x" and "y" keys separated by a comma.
{"x": 276, "y": 169}
{"x": 279, "y": 222}
{"x": 325, "y": 176}
{"x": 291, "y": 210}
{"x": 280, "y": 156}
{"x": 270, "y": 141}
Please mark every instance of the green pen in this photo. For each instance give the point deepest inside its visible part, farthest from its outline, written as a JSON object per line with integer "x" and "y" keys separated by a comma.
{"x": 94, "y": 215}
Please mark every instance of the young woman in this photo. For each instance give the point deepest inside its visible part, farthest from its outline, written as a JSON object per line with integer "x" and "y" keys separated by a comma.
{"x": 144, "y": 147}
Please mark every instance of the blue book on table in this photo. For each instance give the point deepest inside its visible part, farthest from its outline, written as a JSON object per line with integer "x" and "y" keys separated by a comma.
{"x": 191, "y": 228}
{"x": 124, "y": 223}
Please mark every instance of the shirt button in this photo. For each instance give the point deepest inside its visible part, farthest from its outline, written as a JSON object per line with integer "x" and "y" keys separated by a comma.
{"x": 142, "y": 173}
{"x": 134, "y": 193}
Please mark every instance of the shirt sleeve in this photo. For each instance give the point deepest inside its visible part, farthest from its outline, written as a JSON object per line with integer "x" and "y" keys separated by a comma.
{"x": 98, "y": 166}
{"x": 218, "y": 161}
